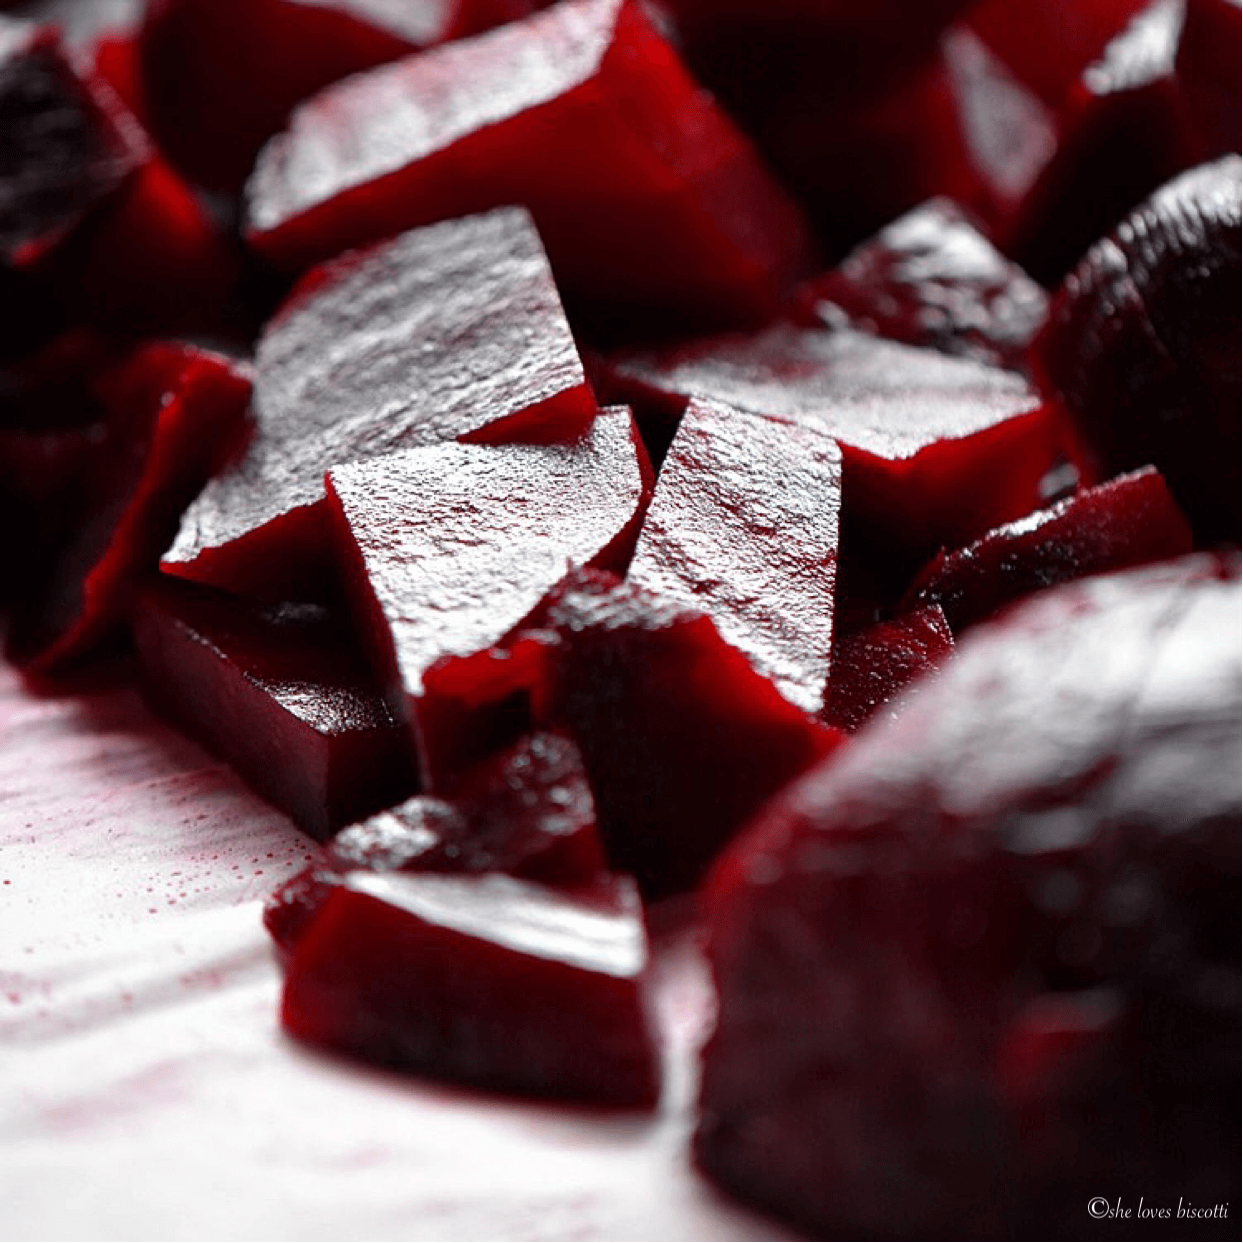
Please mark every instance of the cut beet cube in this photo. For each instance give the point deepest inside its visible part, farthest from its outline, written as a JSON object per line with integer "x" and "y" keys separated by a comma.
{"x": 1143, "y": 345}
{"x": 1125, "y": 522}
{"x": 280, "y": 692}
{"x": 743, "y": 526}
{"x": 871, "y": 666}
{"x": 454, "y": 331}
{"x": 1209, "y": 76}
{"x": 645, "y": 194}
{"x": 1008, "y": 924}
{"x": 449, "y": 548}
{"x": 174, "y": 414}
{"x": 527, "y": 812}
{"x": 931, "y": 278}
{"x": 485, "y": 980}
{"x": 681, "y": 738}
{"x": 931, "y": 445}
{"x": 68, "y": 144}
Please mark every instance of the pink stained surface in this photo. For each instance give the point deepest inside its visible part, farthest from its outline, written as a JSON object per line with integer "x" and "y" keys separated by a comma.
{"x": 146, "y": 1091}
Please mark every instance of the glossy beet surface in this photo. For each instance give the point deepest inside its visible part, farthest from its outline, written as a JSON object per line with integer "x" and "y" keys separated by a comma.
{"x": 743, "y": 525}
{"x": 1143, "y": 344}
{"x": 931, "y": 278}
{"x": 584, "y": 114}
{"x": 280, "y": 692}
{"x": 446, "y": 332}
{"x": 1125, "y": 522}
{"x": 682, "y": 740}
{"x": 1008, "y": 924}
{"x": 931, "y": 446}
{"x": 486, "y": 980}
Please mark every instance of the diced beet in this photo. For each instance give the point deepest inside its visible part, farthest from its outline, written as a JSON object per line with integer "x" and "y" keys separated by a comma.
{"x": 681, "y": 738}
{"x": 280, "y": 692}
{"x": 174, "y": 414}
{"x": 448, "y": 548}
{"x": 1209, "y": 76}
{"x": 454, "y": 331}
{"x": 486, "y": 980}
{"x": 982, "y": 965}
{"x": 1143, "y": 344}
{"x": 932, "y": 447}
{"x": 66, "y": 147}
{"x": 650, "y": 202}
{"x": 871, "y": 666}
{"x": 527, "y": 812}
{"x": 743, "y": 526}
{"x": 931, "y": 278}
{"x": 1125, "y": 522}
{"x": 115, "y": 58}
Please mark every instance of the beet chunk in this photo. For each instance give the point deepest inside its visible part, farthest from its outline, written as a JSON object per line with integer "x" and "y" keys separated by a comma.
{"x": 931, "y": 446}
{"x": 1125, "y": 522}
{"x": 743, "y": 525}
{"x": 645, "y": 194}
{"x": 446, "y": 332}
{"x": 931, "y": 278}
{"x": 486, "y": 980}
{"x": 681, "y": 738}
{"x": 1008, "y": 923}
{"x": 1143, "y": 345}
{"x": 279, "y": 691}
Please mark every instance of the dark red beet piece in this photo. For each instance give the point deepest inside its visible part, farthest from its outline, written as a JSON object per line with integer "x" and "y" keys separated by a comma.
{"x": 584, "y": 114}
{"x": 681, "y": 738}
{"x": 1008, "y": 924}
{"x": 449, "y": 548}
{"x": 1127, "y": 521}
{"x": 485, "y": 980}
{"x": 931, "y": 278}
{"x": 68, "y": 144}
{"x": 871, "y": 666}
{"x": 174, "y": 414}
{"x": 279, "y": 691}
{"x": 454, "y": 331}
{"x": 1209, "y": 74}
{"x": 526, "y": 811}
{"x": 743, "y": 526}
{"x": 931, "y": 445}
{"x": 1143, "y": 345}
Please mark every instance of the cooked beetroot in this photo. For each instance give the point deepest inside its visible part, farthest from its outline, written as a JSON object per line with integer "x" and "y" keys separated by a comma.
{"x": 526, "y": 811}
{"x": 932, "y": 278}
{"x": 449, "y": 547}
{"x": 584, "y": 114}
{"x": 280, "y": 692}
{"x": 934, "y": 449}
{"x": 1209, "y": 75}
{"x": 173, "y": 415}
{"x": 743, "y": 526}
{"x": 485, "y": 980}
{"x": 1127, "y": 521}
{"x": 68, "y": 144}
{"x": 1143, "y": 344}
{"x": 982, "y": 965}
{"x": 682, "y": 740}
{"x": 454, "y": 331}
{"x": 872, "y": 665}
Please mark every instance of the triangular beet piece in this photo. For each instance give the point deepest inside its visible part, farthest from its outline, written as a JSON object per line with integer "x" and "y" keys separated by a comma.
{"x": 1125, "y": 522}
{"x": 743, "y": 525}
{"x": 280, "y": 692}
{"x": 485, "y": 980}
{"x": 454, "y": 331}
{"x": 447, "y": 549}
{"x": 931, "y": 445}
{"x": 1041, "y": 850}
{"x": 644, "y": 192}
{"x": 931, "y": 278}
{"x": 527, "y": 811}
{"x": 681, "y": 738}
{"x": 174, "y": 414}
